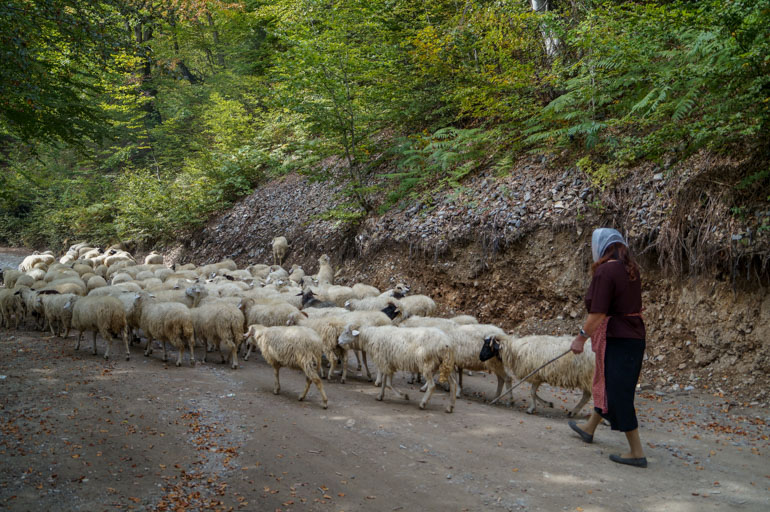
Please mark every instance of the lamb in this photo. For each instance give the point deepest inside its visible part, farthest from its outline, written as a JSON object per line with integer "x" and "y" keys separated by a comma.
{"x": 167, "y": 322}
{"x": 325, "y": 272}
{"x": 280, "y": 248}
{"x": 104, "y": 315}
{"x": 294, "y": 347}
{"x": 220, "y": 326}
{"x": 520, "y": 356}
{"x": 422, "y": 349}
{"x": 153, "y": 258}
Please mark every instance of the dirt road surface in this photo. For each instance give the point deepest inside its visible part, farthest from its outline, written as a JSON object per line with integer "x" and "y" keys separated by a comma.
{"x": 82, "y": 433}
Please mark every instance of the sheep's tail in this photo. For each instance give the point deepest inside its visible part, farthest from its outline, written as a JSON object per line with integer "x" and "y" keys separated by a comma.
{"x": 447, "y": 365}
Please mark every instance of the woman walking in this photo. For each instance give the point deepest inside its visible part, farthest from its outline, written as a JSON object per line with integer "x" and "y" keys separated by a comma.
{"x": 616, "y": 329}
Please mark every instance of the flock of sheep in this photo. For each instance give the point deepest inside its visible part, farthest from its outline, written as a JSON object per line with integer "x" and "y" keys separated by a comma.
{"x": 294, "y": 320}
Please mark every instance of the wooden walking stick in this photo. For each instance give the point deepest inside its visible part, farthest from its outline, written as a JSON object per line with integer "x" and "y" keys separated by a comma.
{"x": 529, "y": 375}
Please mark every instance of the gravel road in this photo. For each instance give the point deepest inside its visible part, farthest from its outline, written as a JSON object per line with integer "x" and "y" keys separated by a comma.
{"x": 80, "y": 433}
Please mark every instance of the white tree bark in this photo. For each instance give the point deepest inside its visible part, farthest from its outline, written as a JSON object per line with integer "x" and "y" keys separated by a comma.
{"x": 551, "y": 43}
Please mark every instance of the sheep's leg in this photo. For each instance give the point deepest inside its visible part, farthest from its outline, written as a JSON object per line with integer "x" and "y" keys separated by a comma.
{"x": 191, "y": 346}
{"x": 233, "y": 357}
{"x": 586, "y": 396}
{"x": 366, "y": 366}
{"x": 379, "y": 378}
{"x": 249, "y": 346}
{"x": 109, "y": 340}
{"x": 389, "y": 379}
{"x": 453, "y": 394}
{"x": 94, "y": 350}
{"x": 180, "y": 352}
{"x": 332, "y": 357}
{"x": 320, "y": 385}
{"x": 429, "y": 392}
{"x": 382, "y": 379}
{"x": 308, "y": 381}
{"x": 535, "y": 399}
{"x": 148, "y": 348}
{"x": 277, "y": 384}
{"x": 358, "y": 361}
{"x": 125, "y": 342}
{"x": 344, "y": 366}
{"x": 460, "y": 381}
{"x": 541, "y": 400}
{"x": 53, "y": 333}
{"x": 500, "y": 383}
{"x": 165, "y": 353}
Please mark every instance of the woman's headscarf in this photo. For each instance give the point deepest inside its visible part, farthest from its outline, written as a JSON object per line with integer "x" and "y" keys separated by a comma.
{"x": 603, "y": 238}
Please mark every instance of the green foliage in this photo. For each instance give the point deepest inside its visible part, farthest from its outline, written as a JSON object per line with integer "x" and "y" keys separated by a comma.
{"x": 108, "y": 133}
{"x": 438, "y": 160}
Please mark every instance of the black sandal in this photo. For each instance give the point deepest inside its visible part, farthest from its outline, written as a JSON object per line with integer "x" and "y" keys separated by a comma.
{"x": 585, "y": 436}
{"x": 640, "y": 462}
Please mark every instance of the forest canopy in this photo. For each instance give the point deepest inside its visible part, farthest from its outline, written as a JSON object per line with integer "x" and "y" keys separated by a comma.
{"x": 137, "y": 119}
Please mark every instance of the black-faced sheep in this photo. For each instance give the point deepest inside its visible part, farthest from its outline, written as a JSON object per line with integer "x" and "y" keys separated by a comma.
{"x": 520, "y": 356}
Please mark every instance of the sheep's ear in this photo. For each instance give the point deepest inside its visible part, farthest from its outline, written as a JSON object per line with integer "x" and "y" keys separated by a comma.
{"x": 356, "y": 333}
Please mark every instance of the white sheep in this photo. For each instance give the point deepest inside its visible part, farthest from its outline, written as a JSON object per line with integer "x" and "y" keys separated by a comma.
{"x": 362, "y": 291}
{"x": 325, "y": 271}
{"x": 9, "y": 277}
{"x": 521, "y": 356}
{"x": 329, "y": 329}
{"x": 153, "y": 258}
{"x": 30, "y": 261}
{"x": 294, "y": 347}
{"x": 296, "y": 274}
{"x": 104, "y": 315}
{"x": 420, "y": 349}
{"x": 95, "y": 282}
{"x": 280, "y": 248}
{"x": 267, "y": 313}
{"x": 219, "y": 326}
{"x": 58, "y": 316}
{"x": 167, "y": 322}
{"x": 416, "y": 305}
{"x": 11, "y": 309}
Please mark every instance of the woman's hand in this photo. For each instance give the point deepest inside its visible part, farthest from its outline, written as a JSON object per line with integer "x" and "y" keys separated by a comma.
{"x": 577, "y": 344}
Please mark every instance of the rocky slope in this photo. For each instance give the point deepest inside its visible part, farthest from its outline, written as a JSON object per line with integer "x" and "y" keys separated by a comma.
{"x": 514, "y": 250}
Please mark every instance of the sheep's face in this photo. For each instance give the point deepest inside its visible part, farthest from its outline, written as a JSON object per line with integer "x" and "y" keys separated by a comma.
{"x": 347, "y": 337}
{"x": 490, "y": 349}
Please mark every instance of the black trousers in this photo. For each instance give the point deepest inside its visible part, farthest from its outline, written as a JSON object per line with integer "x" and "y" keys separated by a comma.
{"x": 622, "y": 365}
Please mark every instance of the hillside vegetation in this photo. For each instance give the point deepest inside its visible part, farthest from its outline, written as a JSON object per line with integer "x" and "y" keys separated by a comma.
{"x": 138, "y": 119}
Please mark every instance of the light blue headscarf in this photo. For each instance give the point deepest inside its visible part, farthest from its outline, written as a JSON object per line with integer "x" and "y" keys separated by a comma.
{"x": 603, "y": 238}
